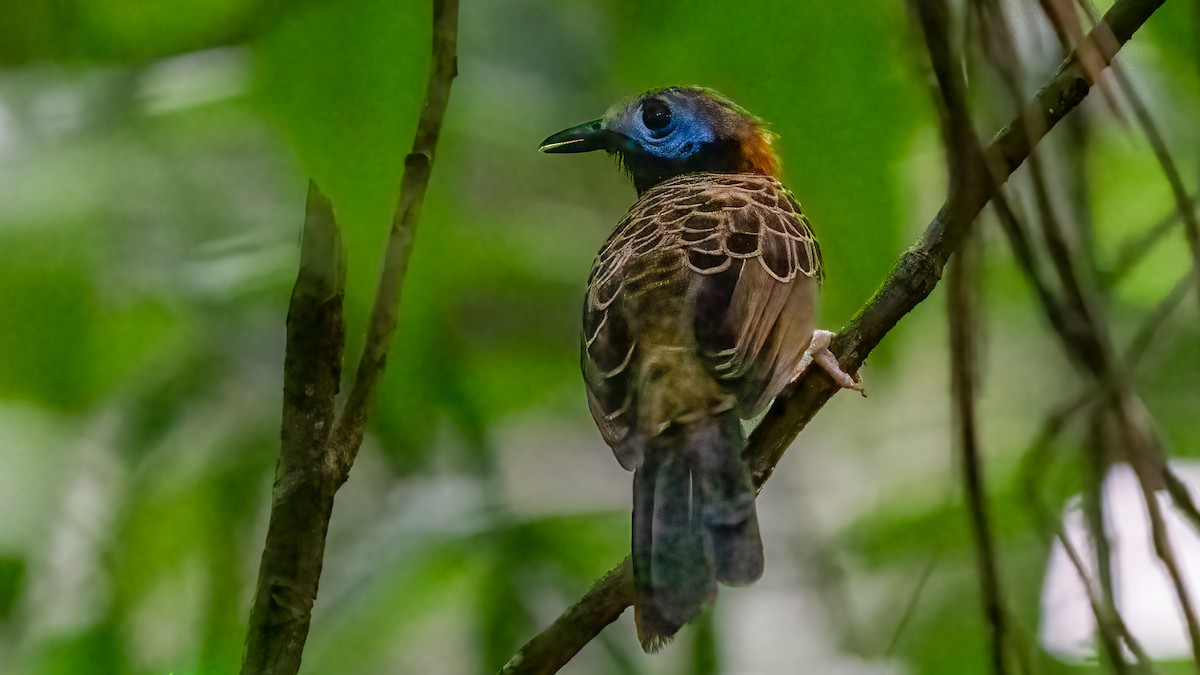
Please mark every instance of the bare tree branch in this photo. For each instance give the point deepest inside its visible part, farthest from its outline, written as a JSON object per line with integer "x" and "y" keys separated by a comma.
{"x": 910, "y": 281}
{"x": 318, "y": 450}
{"x": 303, "y": 495}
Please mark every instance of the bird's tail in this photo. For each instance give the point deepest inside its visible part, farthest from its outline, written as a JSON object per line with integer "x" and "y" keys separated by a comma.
{"x": 694, "y": 524}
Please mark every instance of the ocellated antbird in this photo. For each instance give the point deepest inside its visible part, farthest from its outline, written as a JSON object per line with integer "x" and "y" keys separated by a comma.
{"x": 699, "y": 311}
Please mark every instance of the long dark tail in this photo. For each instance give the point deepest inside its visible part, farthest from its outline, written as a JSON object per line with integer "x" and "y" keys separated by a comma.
{"x": 694, "y": 524}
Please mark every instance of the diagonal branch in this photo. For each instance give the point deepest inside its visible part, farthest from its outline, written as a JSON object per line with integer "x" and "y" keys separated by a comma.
{"x": 910, "y": 281}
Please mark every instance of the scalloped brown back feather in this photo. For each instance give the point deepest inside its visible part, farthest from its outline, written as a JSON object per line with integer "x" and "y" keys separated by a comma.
{"x": 716, "y": 270}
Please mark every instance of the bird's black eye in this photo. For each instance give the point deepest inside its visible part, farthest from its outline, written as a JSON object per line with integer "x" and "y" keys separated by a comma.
{"x": 655, "y": 114}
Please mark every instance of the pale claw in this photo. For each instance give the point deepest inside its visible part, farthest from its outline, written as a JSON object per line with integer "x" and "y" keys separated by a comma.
{"x": 818, "y": 352}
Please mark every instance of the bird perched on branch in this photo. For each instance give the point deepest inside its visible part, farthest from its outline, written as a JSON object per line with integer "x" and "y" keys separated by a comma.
{"x": 699, "y": 311}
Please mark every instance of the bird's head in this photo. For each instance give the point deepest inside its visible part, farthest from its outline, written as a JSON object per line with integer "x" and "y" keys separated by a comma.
{"x": 668, "y": 132}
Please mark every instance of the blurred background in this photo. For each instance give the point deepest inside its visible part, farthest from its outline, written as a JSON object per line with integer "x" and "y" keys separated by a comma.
{"x": 153, "y": 166}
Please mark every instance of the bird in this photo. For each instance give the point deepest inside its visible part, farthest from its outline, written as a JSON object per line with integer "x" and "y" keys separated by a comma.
{"x": 699, "y": 310}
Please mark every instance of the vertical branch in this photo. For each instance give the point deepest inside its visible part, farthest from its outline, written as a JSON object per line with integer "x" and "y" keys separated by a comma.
{"x": 964, "y": 154}
{"x": 960, "y": 306}
{"x": 318, "y": 448}
{"x": 303, "y": 493}
{"x": 963, "y": 151}
{"x": 1097, "y": 457}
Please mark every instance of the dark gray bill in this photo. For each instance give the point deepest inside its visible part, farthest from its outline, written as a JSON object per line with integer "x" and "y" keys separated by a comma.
{"x": 583, "y": 138}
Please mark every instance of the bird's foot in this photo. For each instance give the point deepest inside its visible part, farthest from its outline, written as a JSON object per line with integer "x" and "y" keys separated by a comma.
{"x": 818, "y": 352}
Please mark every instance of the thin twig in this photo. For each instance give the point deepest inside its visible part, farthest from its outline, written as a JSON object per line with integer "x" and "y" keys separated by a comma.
{"x": 910, "y": 608}
{"x": 1166, "y": 553}
{"x": 1106, "y": 615}
{"x": 1098, "y": 454}
{"x": 1140, "y": 344}
{"x": 960, "y": 312}
{"x": 1110, "y": 627}
{"x": 1035, "y": 458}
{"x": 910, "y": 281}
{"x": 1183, "y": 200}
{"x": 351, "y": 423}
{"x": 1137, "y": 246}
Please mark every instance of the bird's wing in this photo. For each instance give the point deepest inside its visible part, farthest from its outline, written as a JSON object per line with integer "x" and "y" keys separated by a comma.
{"x": 758, "y": 270}
{"x": 610, "y": 346}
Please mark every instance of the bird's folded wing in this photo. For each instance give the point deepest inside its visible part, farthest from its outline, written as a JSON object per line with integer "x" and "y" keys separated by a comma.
{"x": 758, "y": 270}
{"x": 754, "y": 269}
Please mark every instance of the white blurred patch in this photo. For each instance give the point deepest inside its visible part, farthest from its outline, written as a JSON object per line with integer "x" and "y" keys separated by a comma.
{"x": 235, "y": 266}
{"x": 69, "y": 589}
{"x": 756, "y": 621}
{"x": 195, "y": 79}
{"x": 1143, "y": 591}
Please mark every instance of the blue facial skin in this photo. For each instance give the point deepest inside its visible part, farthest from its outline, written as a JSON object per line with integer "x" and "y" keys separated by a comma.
{"x": 683, "y": 137}
{"x": 699, "y": 130}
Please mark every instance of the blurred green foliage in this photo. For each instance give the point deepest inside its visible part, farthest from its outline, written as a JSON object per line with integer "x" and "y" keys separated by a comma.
{"x": 153, "y": 162}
